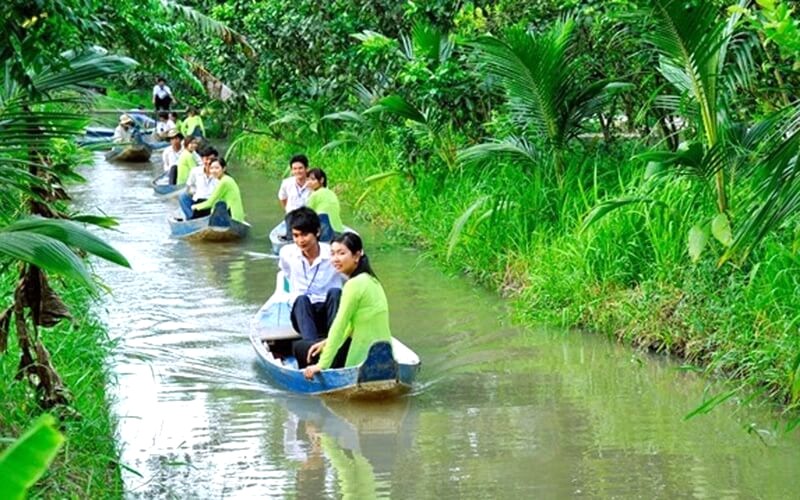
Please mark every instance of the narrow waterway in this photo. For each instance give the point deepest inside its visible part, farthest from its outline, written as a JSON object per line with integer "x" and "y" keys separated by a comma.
{"x": 498, "y": 412}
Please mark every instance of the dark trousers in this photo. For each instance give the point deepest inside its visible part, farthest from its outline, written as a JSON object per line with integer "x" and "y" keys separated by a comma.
{"x": 185, "y": 201}
{"x": 162, "y": 104}
{"x": 300, "y": 350}
{"x": 173, "y": 174}
{"x": 312, "y": 321}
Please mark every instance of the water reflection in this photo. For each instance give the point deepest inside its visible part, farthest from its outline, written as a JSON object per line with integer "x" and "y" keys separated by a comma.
{"x": 357, "y": 444}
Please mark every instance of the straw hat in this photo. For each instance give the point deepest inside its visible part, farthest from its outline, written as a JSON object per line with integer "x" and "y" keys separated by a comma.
{"x": 125, "y": 119}
{"x": 173, "y": 132}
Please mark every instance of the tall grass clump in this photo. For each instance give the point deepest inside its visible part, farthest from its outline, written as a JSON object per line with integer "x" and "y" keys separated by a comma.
{"x": 88, "y": 464}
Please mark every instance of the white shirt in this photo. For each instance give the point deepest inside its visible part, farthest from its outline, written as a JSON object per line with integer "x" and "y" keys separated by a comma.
{"x": 122, "y": 134}
{"x": 163, "y": 127}
{"x": 313, "y": 279}
{"x": 170, "y": 124}
{"x": 162, "y": 92}
{"x": 294, "y": 195}
{"x": 170, "y": 157}
{"x": 201, "y": 184}
{"x": 198, "y": 160}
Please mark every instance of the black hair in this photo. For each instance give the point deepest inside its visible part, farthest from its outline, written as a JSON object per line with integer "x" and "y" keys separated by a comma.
{"x": 161, "y": 79}
{"x": 299, "y": 158}
{"x": 209, "y": 151}
{"x": 221, "y": 161}
{"x": 353, "y": 243}
{"x": 188, "y": 140}
{"x": 163, "y": 114}
{"x": 304, "y": 220}
{"x": 173, "y": 113}
{"x": 178, "y": 135}
{"x": 319, "y": 174}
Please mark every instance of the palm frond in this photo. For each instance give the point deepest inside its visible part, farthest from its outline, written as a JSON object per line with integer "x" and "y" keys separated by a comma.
{"x": 210, "y": 26}
{"x": 398, "y": 106}
{"x": 511, "y": 149}
{"x": 69, "y": 233}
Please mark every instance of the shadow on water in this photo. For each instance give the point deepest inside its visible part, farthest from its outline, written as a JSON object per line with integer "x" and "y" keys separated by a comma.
{"x": 497, "y": 412}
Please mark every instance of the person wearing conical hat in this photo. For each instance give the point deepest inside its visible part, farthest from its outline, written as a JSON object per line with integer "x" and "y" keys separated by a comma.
{"x": 124, "y": 131}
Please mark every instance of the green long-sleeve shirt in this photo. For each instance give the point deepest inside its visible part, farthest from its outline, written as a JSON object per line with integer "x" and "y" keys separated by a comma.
{"x": 185, "y": 165}
{"x": 325, "y": 201}
{"x": 363, "y": 315}
{"x": 228, "y": 191}
{"x": 192, "y": 122}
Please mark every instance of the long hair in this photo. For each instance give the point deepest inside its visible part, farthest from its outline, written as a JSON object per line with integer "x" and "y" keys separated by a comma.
{"x": 319, "y": 175}
{"x": 353, "y": 243}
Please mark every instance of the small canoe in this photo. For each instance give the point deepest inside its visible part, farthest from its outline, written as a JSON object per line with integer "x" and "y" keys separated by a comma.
{"x": 216, "y": 227}
{"x": 130, "y": 153}
{"x": 277, "y": 236}
{"x": 389, "y": 370}
{"x": 164, "y": 189}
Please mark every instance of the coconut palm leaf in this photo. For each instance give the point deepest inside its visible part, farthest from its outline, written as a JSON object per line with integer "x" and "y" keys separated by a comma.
{"x": 46, "y": 253}
{"x": 210, "y": 26}
{"x": 396, "y": 105}
{"x": 69, "y": 233}
{"x": 540, "y": 78}
{"x": 512, "y": 149}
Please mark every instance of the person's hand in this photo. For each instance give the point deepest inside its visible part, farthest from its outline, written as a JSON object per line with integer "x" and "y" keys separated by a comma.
{"x": 194, "y": 207}
{"x": 314, "y": 350}
{"x": 310, "y": 371}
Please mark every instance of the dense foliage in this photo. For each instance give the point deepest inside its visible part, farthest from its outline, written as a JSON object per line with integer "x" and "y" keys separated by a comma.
{"x": 653, "y": 142}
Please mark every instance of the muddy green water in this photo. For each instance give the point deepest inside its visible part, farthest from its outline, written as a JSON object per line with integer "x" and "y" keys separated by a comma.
{"x": 498, "y": 412}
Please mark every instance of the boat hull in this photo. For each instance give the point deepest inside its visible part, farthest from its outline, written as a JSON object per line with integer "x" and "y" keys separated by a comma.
{"x": 163, "y": 189}
{"x": 216, "y": 227}
{"x": 135, "y": 153}
{"x": 389, "y": 369}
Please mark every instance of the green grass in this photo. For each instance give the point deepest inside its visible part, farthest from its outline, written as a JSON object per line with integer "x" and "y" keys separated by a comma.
{"x": 628, "y": 276}
{"x": 87, "y": 465}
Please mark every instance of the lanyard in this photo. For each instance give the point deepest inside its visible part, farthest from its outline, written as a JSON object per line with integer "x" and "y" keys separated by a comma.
{"x": 305, "y": 274}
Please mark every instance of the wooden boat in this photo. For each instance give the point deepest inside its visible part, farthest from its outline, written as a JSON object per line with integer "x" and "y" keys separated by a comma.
{"x": 277, "y": 237}
{"x": 216, "y": 227}
{"x": 389, "y": 370}
{"x": 277, "y": 240}
{"x": 130, "y": 153}
{"x": 164, "y": 189}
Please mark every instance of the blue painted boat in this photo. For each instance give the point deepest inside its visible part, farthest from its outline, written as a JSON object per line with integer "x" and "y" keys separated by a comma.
{"x": 163, "y": 189}
{"x": 216, "y": 227}
{"x": 389, "y": 370}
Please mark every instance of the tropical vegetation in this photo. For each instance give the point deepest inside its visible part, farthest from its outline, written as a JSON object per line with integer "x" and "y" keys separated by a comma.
{"x": 628, "y": 167}
{"x": 624, "y": 166}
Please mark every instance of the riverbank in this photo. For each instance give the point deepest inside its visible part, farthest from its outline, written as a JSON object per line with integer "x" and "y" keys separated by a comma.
{"x": 628, "y": 276}
{"x": 87, "y": 465}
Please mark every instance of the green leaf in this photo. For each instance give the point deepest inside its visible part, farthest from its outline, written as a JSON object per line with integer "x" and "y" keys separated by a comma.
{"x": 458, "y": 225}
{"x": 697, "y": 242}
{"x": 70, "y": 234}
{"x": 45, "y": 252}
{"x": 396, "y": 105}
{"x": 24, "y": 462}
{"x": 710, "y": 404}
{"x": 721, "y": 229}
